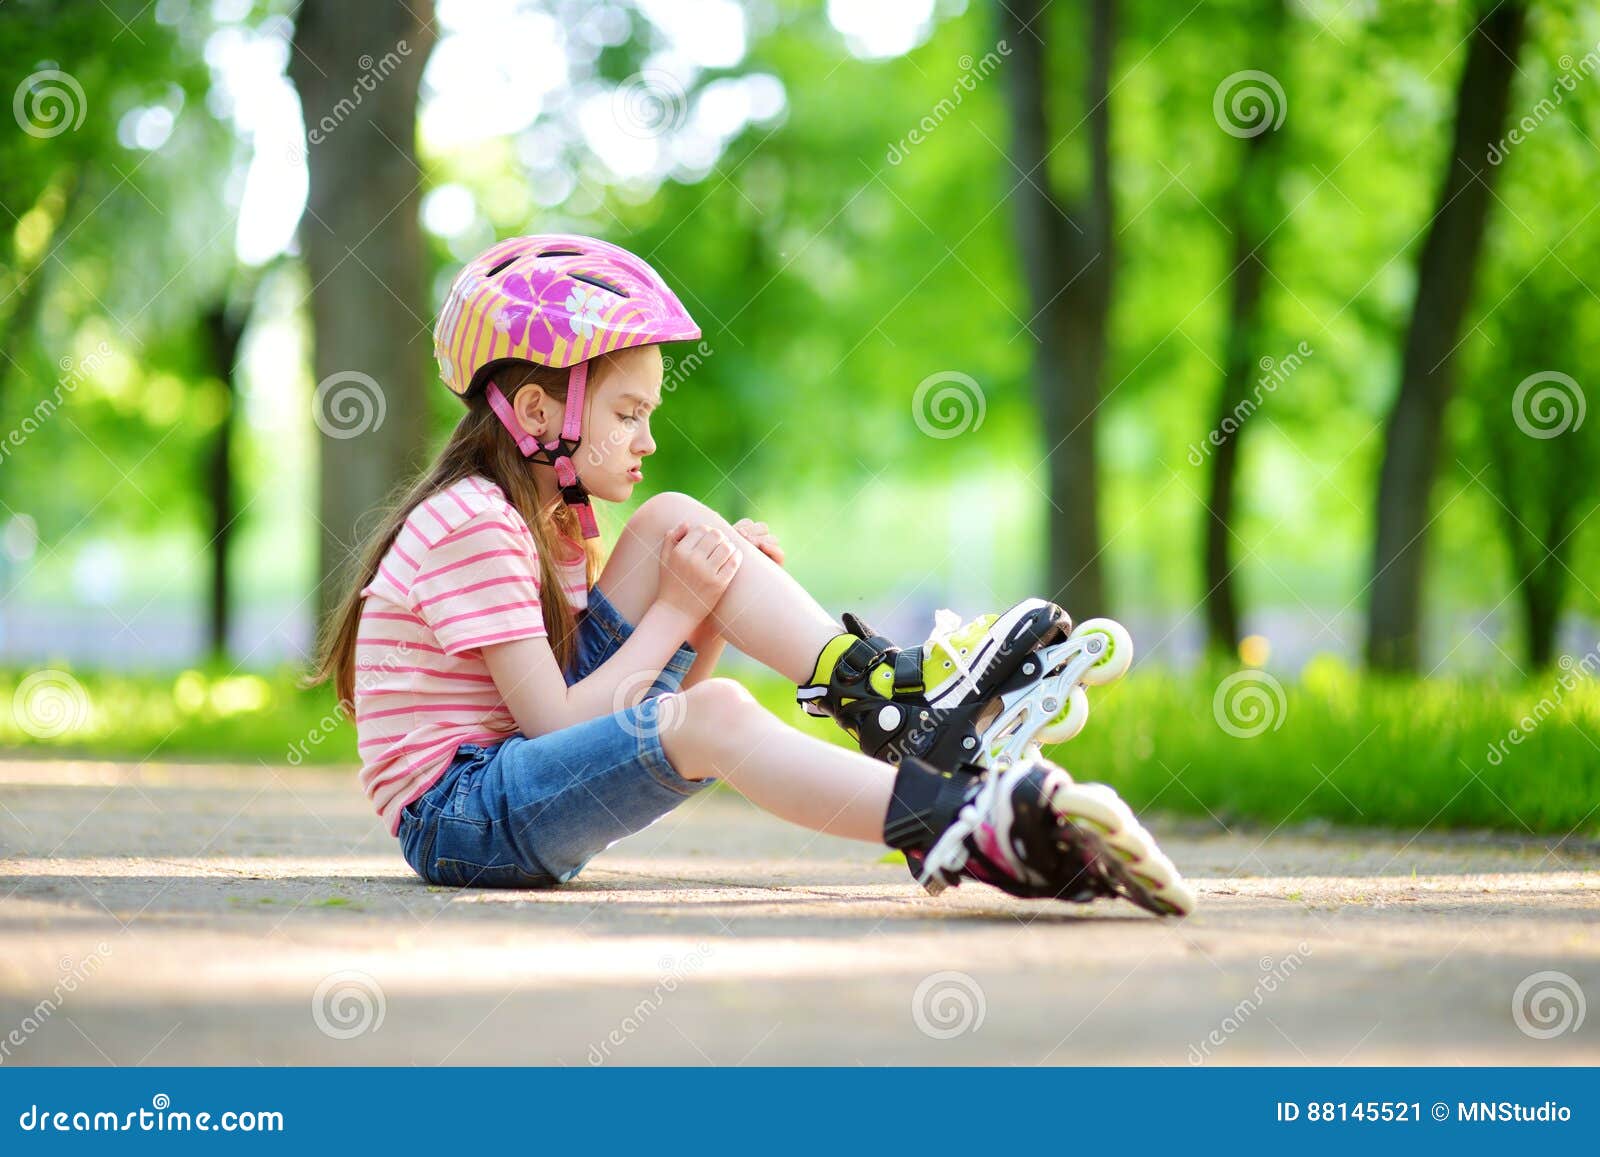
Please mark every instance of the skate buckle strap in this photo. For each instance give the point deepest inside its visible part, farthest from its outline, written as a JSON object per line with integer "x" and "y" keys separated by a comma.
{"x": 853, "y": 625}
{"x": 861, "y": 657}
{"x": 908, "y": 671}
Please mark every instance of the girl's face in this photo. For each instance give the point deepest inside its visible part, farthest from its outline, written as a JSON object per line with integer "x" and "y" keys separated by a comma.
{"x": 623, "y": 389}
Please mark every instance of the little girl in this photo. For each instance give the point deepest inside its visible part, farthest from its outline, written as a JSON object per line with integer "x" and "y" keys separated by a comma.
{"x": 522, "y": 703}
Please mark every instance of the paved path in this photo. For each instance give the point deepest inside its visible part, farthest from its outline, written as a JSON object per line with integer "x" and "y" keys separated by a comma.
{"x": 209, "y": 915}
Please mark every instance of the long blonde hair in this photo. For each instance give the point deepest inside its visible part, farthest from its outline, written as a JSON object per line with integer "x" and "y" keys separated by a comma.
{"x": 479, "y": 445}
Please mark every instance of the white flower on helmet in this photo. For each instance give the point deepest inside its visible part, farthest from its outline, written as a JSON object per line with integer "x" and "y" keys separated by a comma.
{"x": 584, "y": 307}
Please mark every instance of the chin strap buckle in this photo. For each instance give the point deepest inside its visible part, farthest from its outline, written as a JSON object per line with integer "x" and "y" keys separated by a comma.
{"x": 572, "y": 490}
{"x": 559, "y": 451}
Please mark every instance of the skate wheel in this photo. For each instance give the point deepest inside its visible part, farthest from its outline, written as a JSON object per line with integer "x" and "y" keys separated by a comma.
{"x": 1140, "y": 870}
{"x": 1156, "y": 885}
{"x": 1109, "y": 817}
{"x": 1068, "y": 721}
{"x": 1117, "y": 654}
{"x": 1152, "y": 881}
{"x": 1176, "y": 898}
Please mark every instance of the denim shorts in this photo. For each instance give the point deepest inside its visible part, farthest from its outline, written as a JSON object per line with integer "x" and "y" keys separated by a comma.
{"x": 529, "y": 813}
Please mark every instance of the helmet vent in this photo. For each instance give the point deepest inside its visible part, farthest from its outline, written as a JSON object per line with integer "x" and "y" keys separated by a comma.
{"x": 599, "y": 283}
{"x": 562, "y": 253}
{"x": 501, "y": 267}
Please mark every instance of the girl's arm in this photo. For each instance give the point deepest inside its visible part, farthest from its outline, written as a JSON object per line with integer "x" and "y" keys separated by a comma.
{"x": 708, "y": 645}
{"x": 696, "y": 567}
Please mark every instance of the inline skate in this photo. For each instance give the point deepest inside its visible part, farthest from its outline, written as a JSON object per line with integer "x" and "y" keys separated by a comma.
{"x": 970, "y": 707}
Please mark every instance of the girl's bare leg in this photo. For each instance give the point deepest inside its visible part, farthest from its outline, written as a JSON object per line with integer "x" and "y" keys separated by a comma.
{"x": 717, "y": 729}
{"x": 764, "y": 612}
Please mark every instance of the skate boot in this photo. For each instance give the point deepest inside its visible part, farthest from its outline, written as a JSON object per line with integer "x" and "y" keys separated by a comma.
{"x": 929, "y": 700}
{"x": 1029, "y": 830}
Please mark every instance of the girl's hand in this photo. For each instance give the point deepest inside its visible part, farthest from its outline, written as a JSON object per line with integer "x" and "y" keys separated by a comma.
{"x": 761, "y": 538}
{"x": 697, "y": 564}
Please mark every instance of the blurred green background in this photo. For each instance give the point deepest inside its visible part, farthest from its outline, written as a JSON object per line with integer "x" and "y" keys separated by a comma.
{"x": 1264, "y": 327}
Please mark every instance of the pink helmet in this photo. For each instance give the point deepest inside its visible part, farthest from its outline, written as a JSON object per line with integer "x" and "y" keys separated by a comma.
{"x": 555, "y": 299}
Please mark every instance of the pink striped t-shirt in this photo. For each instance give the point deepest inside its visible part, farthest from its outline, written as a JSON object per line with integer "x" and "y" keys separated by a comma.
{"x": 462, "y": 573}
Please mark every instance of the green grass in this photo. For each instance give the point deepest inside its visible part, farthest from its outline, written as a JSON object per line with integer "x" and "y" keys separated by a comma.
{"x": 1338, "y": 747}
{"x": 1355, "y": 750}
{"x": 193, "y": 714}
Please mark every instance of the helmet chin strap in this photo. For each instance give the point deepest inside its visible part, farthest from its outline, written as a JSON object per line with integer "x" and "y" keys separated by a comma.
{"x": 558, "y": 452}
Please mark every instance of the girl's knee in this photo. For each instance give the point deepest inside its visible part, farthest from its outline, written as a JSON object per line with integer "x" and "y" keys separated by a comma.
{"x": 720, "y": 711}
{"x": 722, "y": 701}
{"x": 661, "y": 512}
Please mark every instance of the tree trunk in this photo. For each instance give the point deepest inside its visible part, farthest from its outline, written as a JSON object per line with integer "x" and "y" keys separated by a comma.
{"x": 1538, "y": 509}
{"x": 224, "y": 330}
{"x": 1253, "y": 206}
{"x": 1446, "y": 271}
{"x": 1067, "y": 261}
{"x": 357, "y": 69}
{"x": 1541, "y": 608}
{"x": 1258, "y": 176}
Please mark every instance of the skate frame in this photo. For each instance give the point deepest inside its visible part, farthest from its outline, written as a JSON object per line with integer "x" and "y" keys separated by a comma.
{"x": 1028, "y": 710}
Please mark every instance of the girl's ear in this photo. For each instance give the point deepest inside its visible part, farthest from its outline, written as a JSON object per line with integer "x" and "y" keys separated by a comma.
{"x": 529, "y": 406}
